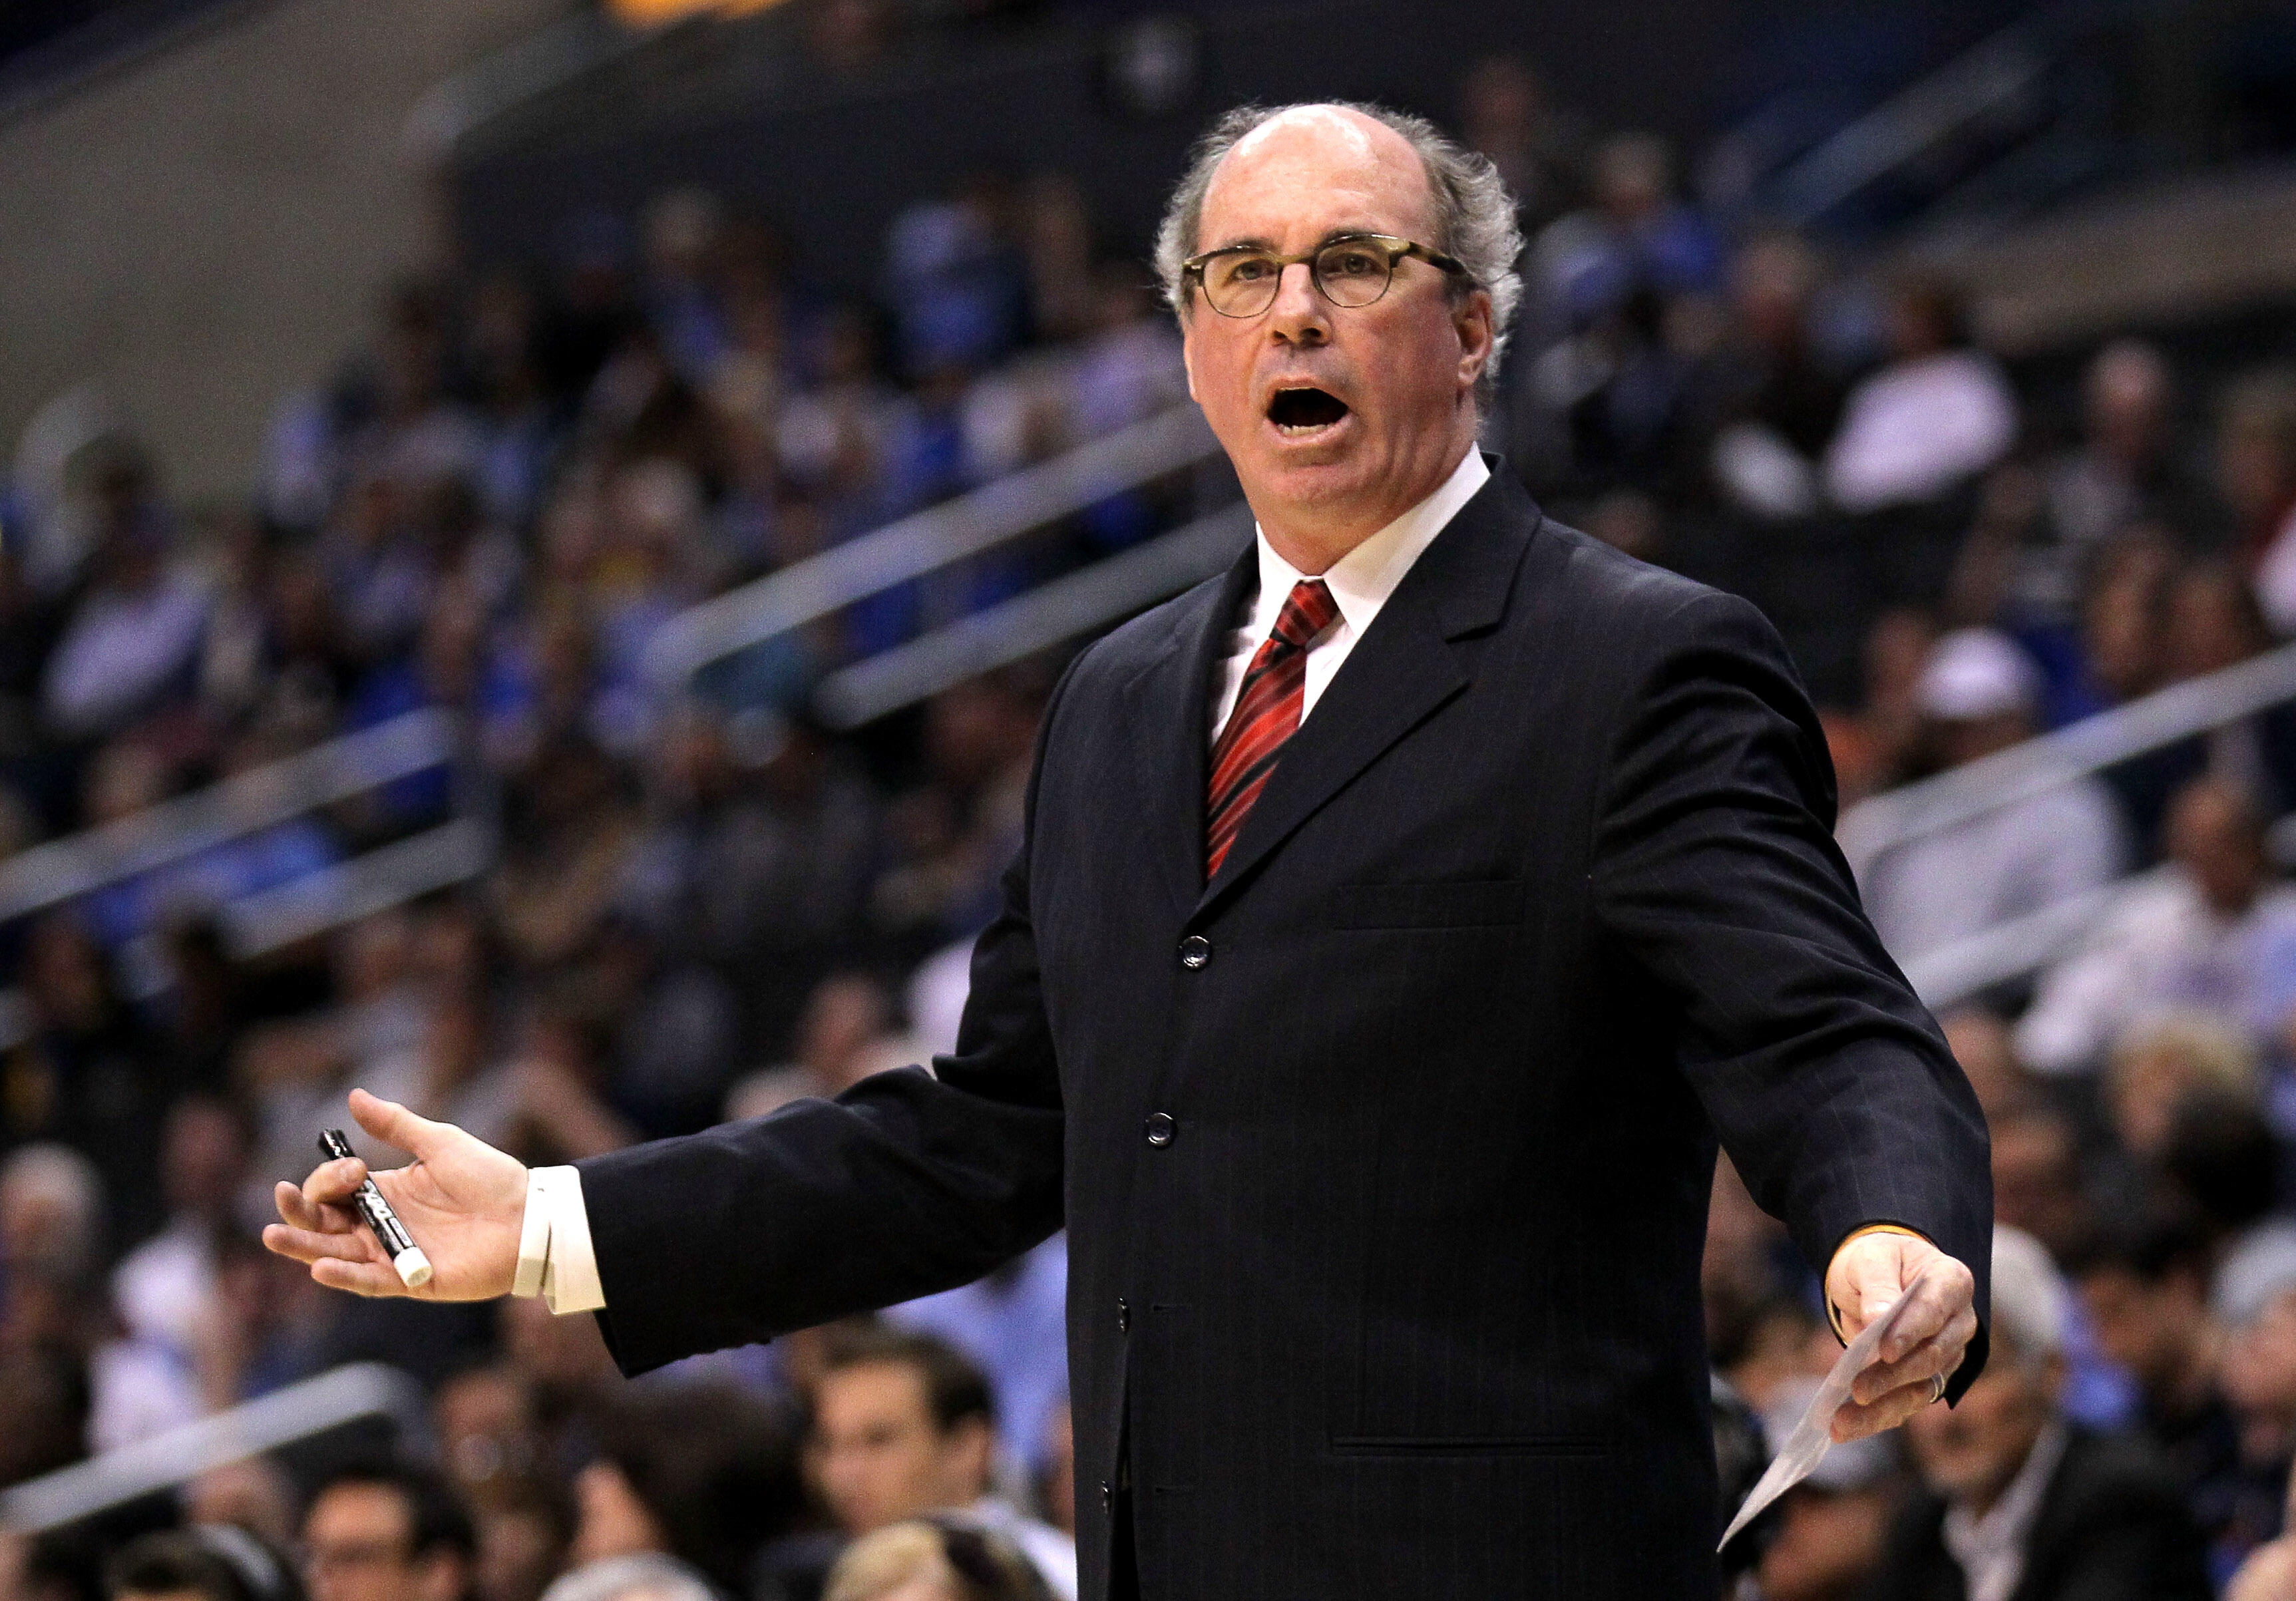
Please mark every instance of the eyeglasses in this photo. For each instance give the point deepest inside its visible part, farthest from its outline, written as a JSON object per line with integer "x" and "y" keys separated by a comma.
{"x": 1353, "y": 270}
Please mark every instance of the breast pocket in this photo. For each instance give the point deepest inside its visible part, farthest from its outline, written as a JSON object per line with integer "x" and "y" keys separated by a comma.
{"x": 1430, "y": 903}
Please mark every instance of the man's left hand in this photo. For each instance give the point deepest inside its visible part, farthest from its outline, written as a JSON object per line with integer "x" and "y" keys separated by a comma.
{"x": 1867, "y": 1276}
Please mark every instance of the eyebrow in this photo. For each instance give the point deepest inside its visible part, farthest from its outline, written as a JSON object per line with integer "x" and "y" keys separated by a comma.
{"x": 1333, "y": 237}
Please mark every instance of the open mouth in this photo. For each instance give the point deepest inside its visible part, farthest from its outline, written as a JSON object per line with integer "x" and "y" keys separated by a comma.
{"x": 1303, "y": 411}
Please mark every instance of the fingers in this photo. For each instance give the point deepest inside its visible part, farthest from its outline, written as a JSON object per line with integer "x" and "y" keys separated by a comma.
{"x": 360, "y": 1279}
{"x": 314, "y": 1244}
{"x": 1856, "y": 1420}
{"x": 394, "y": 1125}
{"x": 293, "y": 1210}
{"x": 332, "y": 1184}
{"x": 340, "y": 1262}
{"x": 1939, "y": 1354}
{"x": 1929, "y": 1310}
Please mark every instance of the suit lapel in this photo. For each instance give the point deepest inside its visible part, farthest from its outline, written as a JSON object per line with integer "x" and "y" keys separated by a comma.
{"x": 1405, "y": 668}
{"x": 1169, "y": 708}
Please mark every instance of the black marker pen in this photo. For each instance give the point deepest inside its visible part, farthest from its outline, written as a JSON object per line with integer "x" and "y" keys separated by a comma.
{"x": 406, "y": 1256}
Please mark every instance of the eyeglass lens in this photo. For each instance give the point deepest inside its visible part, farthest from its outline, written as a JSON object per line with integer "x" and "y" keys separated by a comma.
{"x": 1349, "y": 273}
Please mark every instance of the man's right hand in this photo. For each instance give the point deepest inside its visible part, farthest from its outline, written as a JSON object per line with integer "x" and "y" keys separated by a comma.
{"x": 464, "y": 1201}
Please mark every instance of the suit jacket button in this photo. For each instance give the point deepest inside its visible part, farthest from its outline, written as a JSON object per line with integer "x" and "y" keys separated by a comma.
{"x": 1123, "y": 1316}
{"x": 1107, "y": 1495}
{"x": 1195, "y": 952}
{"x": 1161, "y": 1128}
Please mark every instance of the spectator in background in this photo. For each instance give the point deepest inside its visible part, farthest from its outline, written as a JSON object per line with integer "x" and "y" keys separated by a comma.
{"x": 51, "y": 1240}
{"x": 2126, "y": 471}
{"x": 2214, "y": 623}
{"x": 700, "y": 1473}
{"x": 2212, "y": 932}
{"x": 647, "y": 1577}
{"x": 88, "y": 1073}
{"x": 957, "y": 282}
{"x": 931, "y": 1561}
{"x": 682, "y": 230}
{"x": 1775, "y": 403}
{"x": 1013, "y": 1323}
{"x": 1507, "y": 112}
{"x": 1982, "y": 1043}
{"x": 165, "y": 1288}
{"x": 756, "y": 862}
{"x": 2144, "y": 1281}
{"x": 1638, "y": 235}
{"x": 2021, "y": 1504}
{"x": 903, "y": 1426}
{"x": 131, "y": 645}
{"x": 844, "y": 1035}
{"x": 1935, "y": 414}
{"x": 254, "y": 1494}
{"x": 200, "y": 1565}
{"x": 1979, "y": 692}
{"x": 2162, "y": 1065}
{"x": 2256, "y": 473}
{"x": 2269, "y": 1572}
{"x": 1832, "y": 1526}
{"x": 386, "y": 1533}
{"x": 2254, "y": 1304}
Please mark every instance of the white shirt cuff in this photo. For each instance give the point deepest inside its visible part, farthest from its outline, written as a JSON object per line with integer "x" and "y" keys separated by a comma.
{"x": 556, "y": 1258}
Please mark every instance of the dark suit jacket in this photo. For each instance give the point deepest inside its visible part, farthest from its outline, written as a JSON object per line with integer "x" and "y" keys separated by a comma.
{"x": 2112, "y": 1526}
{"x": 1384, "y": 1156}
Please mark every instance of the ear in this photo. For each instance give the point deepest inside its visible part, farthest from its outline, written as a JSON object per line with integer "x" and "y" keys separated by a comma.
{"x": 1471, "y": 319}
{"x": 1188, "y": 354}
{"x": 441, "y": 1577}
{"x": 973, "y": 1450}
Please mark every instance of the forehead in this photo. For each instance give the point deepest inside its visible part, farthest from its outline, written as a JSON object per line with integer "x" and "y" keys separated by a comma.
{"x": 362, "y": 1510}
{"x": 875, "y": 1388}
{"x": 1313, "y": 169}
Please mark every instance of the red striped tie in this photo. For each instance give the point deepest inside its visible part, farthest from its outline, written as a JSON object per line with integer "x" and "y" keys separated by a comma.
{"x": 1266, "y": 714}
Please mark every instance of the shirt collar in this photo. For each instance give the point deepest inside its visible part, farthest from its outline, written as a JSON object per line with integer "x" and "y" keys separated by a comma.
{"x": 1362, "y": 581}
{"x": 1991, "y": 1549}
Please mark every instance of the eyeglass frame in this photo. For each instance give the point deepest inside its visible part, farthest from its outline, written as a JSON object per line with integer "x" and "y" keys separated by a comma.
{"x": 1192, "y": 270}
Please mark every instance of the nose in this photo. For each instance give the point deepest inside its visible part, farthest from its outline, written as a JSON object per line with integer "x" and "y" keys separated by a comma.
{"x": 1301, "y": 314}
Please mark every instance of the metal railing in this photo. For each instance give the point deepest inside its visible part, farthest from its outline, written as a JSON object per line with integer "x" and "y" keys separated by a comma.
{"x": 1871, "y": 829}
{"x": 260, "y": 798}
{"x": 340, "y": 1396}
{"x": 386, "y": 876}
{"x": 996, "y": 514}
{"x": 1996, "y": 87}
{"x": 805, "y": 591}
{"x": 1875, "y": 826}
{"x": 1063, "y": 608}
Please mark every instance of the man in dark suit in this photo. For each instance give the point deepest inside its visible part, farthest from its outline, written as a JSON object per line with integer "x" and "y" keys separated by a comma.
{"x": 2023, "y": 1505}
{"x": 1400, "y": 918}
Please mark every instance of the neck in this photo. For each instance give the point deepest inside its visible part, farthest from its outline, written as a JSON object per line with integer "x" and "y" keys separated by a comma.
{"x": 1313, "y": 538}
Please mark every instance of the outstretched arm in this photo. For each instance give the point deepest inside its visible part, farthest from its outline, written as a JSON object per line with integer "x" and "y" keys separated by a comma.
{"x": 1826, "y": 1079}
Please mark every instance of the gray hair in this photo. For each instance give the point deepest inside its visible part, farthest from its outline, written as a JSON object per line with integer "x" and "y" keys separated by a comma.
{"x": 646, "y": 1576}
{"x": 56, "y": 1191}
{"x": 2029, "y": 1297}
{"x": 1475, "y": 214}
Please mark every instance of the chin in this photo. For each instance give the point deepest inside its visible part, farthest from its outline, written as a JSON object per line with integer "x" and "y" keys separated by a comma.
{"x": 1318, "y": 483}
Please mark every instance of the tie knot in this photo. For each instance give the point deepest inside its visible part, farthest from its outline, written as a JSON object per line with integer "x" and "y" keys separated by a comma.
{"x": 1307, "y": 611}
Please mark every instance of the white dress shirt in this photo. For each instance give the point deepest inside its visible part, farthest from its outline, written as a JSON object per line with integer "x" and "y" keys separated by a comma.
{"x": 1991, "y": 1549}
{"x": 1360, "y": 582}
{"x": 565, "y": 1271}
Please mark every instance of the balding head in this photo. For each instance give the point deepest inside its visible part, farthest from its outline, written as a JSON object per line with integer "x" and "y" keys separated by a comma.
{"x": 1340, "y": 416}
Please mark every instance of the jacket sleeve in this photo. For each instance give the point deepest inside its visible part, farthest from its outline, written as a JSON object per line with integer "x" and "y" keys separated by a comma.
{"x": 1717, "y": 874}
{"x": 910, "y": 1183}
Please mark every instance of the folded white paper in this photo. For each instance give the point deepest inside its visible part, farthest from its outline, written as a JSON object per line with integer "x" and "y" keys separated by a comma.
{"x": 1813, "y": 1433}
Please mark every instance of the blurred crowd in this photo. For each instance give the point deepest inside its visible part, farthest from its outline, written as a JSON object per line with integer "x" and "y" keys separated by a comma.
{"x": 704, "y": 903}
